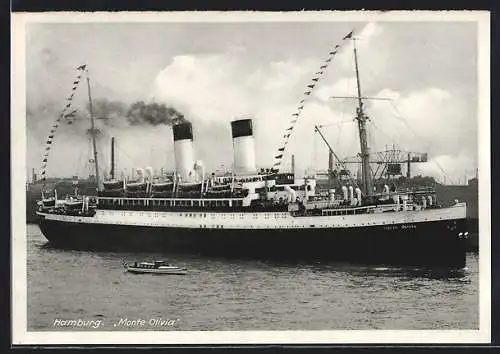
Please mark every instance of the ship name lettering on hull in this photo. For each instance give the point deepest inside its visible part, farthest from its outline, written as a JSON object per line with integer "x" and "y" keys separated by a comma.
{"x": 400, "y": 227}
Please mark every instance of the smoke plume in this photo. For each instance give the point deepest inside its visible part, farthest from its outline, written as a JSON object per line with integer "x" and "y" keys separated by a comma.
{"x": 153, "y": 113}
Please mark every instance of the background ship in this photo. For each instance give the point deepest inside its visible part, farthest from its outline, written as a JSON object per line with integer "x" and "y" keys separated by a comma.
{"x": 64, "y": 186}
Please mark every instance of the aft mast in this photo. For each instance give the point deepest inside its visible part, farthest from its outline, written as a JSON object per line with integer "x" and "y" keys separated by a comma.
{"x": 93, "y": 133}
{"x": 365, "y": 150}
{"x": 113, "y": 158}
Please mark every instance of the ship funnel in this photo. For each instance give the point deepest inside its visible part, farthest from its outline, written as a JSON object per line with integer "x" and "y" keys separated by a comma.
{"x": 243, "y": 146}
{"x": 183, "y": 150}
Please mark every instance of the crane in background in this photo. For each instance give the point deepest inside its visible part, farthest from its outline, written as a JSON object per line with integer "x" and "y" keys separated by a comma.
{"x": 385, "y": 164}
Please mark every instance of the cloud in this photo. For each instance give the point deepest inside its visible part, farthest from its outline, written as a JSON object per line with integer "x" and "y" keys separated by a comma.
{"x": 342, "y": 87}
{"x": 431, "y": 119}
{"x": 369, "y": 31}
{"x": 448, "y": 169}
{"x": 215, "y": 89}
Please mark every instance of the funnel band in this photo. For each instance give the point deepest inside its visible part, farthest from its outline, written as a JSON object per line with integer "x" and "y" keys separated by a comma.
{"x": 242, "y": 127}
{"x": 183, "y": 131}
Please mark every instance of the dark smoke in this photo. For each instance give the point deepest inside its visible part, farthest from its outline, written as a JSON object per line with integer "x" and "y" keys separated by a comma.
{"x": 105, "y": 109}
{"x": 141, "y": 113}
{"x": 138, "y": 113}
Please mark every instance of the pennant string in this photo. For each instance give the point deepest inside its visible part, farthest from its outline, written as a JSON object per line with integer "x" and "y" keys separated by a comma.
{"x": 307, "y": 93}
{"x": 63, "y": 114}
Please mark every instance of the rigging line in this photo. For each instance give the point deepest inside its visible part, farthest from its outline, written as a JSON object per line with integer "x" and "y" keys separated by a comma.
{"x": 306, "y": 95}
{"x": 417, "y": 136}
{"x": 80, "y": 159}
{"x": 314, "y": 152}
{"x": 401, "y": 118}
{"x": 344, "y": 106}
{"x": 381, "y": 130}
{"x": 122, "y": 151}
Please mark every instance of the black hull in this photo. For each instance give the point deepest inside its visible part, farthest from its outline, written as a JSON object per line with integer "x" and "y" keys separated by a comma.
{"x": 431, "y": 244}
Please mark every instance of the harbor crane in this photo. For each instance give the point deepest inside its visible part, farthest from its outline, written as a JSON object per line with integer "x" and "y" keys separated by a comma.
{"x": 383, "y": 164}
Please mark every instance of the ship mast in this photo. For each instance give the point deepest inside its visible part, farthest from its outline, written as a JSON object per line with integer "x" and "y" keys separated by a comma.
{"x": 362, "y": 118}
{"x": 112, "y": 158}
{"x": 93, "y": 134}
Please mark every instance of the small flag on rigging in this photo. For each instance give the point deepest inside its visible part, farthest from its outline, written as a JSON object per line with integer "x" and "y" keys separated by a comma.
{"x": 349, "y": 35}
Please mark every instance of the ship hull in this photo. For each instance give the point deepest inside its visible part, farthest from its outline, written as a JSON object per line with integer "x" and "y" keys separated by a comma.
{"x": 430, "y": 244}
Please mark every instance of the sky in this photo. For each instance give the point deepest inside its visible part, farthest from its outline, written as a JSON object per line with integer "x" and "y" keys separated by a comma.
{"x": 216, "y": 72}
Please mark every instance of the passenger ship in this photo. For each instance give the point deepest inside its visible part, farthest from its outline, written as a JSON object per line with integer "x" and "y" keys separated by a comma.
{"x": 264, "y": 214}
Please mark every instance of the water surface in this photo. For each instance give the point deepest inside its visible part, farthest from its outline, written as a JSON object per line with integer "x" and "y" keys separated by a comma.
{"x": 218, "y": 294}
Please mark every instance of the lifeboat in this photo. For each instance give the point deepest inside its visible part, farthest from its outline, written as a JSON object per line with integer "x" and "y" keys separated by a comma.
{"x": 73, "y": 203}
{"x": 136, "y": 186}
{"x": 195, "y": 186}
{"x": 221, "y": 187}
{"x": 112, "y": 185}
{"x": 160, "y": 186}
{"x": 48, "y": 202}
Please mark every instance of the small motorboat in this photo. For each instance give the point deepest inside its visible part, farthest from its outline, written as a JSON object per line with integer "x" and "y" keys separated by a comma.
{"x": 156, "y": 267}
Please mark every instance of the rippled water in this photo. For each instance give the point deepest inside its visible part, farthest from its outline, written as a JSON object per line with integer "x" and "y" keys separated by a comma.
{"x": 240, "y": 295}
